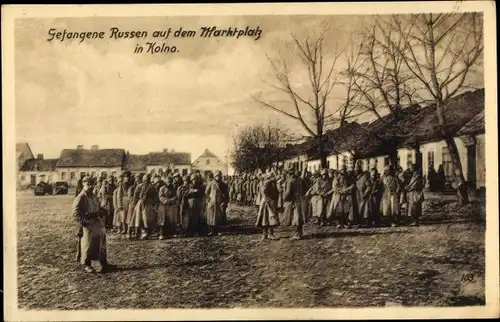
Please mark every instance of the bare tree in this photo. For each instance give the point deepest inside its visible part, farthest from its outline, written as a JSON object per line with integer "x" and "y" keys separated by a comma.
{"x": 322, "y": 79}
{"x": 377, "y": 83}
{"x": 259, "y": 147}
{"x": 442, "y": 51}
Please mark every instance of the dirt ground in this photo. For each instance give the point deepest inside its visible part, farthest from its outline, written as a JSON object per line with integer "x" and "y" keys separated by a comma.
{"x": 402, "y": 266}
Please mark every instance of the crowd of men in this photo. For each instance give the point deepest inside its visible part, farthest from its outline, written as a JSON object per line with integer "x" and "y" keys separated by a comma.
{"x": 140, "y": 206}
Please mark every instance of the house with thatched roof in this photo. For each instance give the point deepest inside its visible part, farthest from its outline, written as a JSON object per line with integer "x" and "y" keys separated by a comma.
{"x": 415, "y": 133}
{"x": 159, "y": 162}
{"x": 74, "y": 164}
{"x": 36, "y": 170}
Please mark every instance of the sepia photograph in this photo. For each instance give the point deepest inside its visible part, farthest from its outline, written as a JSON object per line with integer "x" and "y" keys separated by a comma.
{"x": 262, "y": 158}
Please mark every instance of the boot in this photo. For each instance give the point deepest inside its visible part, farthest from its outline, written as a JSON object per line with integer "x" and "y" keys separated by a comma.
{"x": 298, "y": 233}
{"x": 264, "y": 234}
{"x": 145, "y": 234}
{"x": 271, "y": 234}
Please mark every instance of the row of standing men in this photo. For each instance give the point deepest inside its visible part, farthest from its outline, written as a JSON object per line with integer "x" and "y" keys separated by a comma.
{"x": 346, "y": 198}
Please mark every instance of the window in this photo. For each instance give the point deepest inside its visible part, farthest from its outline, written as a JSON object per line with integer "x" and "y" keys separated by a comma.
{"x": 208, "y": 162}
{"x": 73, "y": 175}
{"x": 184, "y": 172}
{"x": 113, "y": 173}
{"x": 82, "y": 175}
{"x": 409, "y": 159}
{"x": 63, "y": 175}
{"x": 104, "y": 174}
{"x": 447, "y": 163}
{"x": 93, "y": 173}
{"x": 176, "y": 170}
{"x": 430, "y": 158}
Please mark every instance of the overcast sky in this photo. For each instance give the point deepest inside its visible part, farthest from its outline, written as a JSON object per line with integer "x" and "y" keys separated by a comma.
{"x": 100, "y": 92}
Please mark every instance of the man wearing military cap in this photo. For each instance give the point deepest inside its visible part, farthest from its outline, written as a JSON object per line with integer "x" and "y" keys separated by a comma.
{"x": 91, "y": 231}
{"x": 217, "y": 194}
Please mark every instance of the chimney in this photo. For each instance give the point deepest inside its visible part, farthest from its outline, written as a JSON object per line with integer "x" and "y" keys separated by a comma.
{"x": 165, "y": 150}
{"x": 39, "y": 156}
{"x": 95, "y": 147}
{"x": 79, "y": 147}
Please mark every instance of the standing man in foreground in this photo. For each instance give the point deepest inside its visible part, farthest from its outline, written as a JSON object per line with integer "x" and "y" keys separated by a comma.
{"x": 92, "y": 231}
{"x": 217, "y": 194}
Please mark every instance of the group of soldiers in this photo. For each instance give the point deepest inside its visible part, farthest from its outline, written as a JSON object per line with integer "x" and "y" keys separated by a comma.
{"x": 347, "y": 198}
{"x": 139, "y": 206}
{"x": 168, "y": 205}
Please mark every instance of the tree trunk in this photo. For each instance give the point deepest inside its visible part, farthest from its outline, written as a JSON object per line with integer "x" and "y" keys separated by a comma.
{"x": 393, "y": 156}
{"x": 463, "y": 196}
{"x": 322, "y": 153}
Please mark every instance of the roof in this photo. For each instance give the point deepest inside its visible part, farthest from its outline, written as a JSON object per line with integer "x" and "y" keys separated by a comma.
{"x": 207, "y": 154}
{"x": 474, "y": 126}
{"x": 39, "y": 165}
{"x": 160, "y": 158}
{"x": 91, "y": 158}
{"x": 23, "y": 147}
{"x": 135, "y": 162}
{"x": 459, "y": 111}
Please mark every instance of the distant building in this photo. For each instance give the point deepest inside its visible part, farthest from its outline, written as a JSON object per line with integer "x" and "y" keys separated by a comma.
{"x": 23, "y": 153}
{"x": 34, "y": 171}
{"x": 207, "y": 162}
{"x": 159, "y": 162}
{"x": 417, "y": 137}
{"x": 74, "y": 164}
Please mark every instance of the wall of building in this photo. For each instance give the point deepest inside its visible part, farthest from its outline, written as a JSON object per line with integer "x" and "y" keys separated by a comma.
{"x": 297, "y": 162}
{"x": 183, "y": 169}
{"x": 72, "y": 175}
{"x": 24, "y": 177}
{"x": 204, "y": 164}
{"x": 436, "y": 149}
{"x": 480, "y": 161}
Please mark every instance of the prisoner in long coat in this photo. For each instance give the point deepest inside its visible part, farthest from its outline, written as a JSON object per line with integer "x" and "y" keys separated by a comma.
{"x": 118, "y": 205}
{"x": 218, "y": 195}
{"x": 105, "y": 196}
{"x": 318, "y": 195}
{"x": 193, "y": 195}
{"x": 148, "y": 197}
{"x": 268, "y": 216}
{"x": 335, "y": 207}
{"x": 167, "y": 209}
{"x": 127, "y": 193}
{"x": 363, "y": 192}
{"x": 92, "y": 240}
{"x": 134, "y": 215}
{"x": 391, "y": 187}
{"x": 415, "y": 195}
{"x": 293, "y": 214}
{"x": 375, "y": 195}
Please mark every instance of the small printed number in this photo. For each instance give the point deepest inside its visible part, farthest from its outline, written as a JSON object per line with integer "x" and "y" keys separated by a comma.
{"x": 468, "y": 278}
